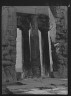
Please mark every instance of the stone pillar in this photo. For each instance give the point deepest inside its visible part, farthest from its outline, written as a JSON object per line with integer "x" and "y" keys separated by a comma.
{"x": 35, "y": 53}
{"x": 19, "y": 51}
{"x": 41, "y": 58}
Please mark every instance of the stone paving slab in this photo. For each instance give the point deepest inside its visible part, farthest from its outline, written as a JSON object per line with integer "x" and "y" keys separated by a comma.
{"x": 38, "y": 91}
{"x": 39, "y": 86}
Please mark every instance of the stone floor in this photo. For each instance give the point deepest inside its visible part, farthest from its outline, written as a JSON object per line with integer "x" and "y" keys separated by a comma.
{"x": 38, "y": 86}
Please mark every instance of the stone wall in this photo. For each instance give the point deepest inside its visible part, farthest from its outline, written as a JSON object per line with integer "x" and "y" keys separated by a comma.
{"x": 8, "y": 43}
{"x": 60, "y": 14}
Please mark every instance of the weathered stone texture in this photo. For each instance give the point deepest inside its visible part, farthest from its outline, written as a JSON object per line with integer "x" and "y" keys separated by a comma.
{"x": 61, "y": 38}
{"x": 9, "y": 41}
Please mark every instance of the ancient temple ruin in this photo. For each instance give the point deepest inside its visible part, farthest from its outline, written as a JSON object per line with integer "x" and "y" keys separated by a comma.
{"x": 26, "y": 40}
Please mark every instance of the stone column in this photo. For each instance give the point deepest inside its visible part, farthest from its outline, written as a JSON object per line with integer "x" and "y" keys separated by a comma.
{"x": 35, "y": 53}
{"x": 19, "y": 51}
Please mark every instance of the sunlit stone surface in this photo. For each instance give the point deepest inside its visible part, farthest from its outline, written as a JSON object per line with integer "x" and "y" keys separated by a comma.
{"x": 48, "y": 91}
{"x": 39, "y": 86}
